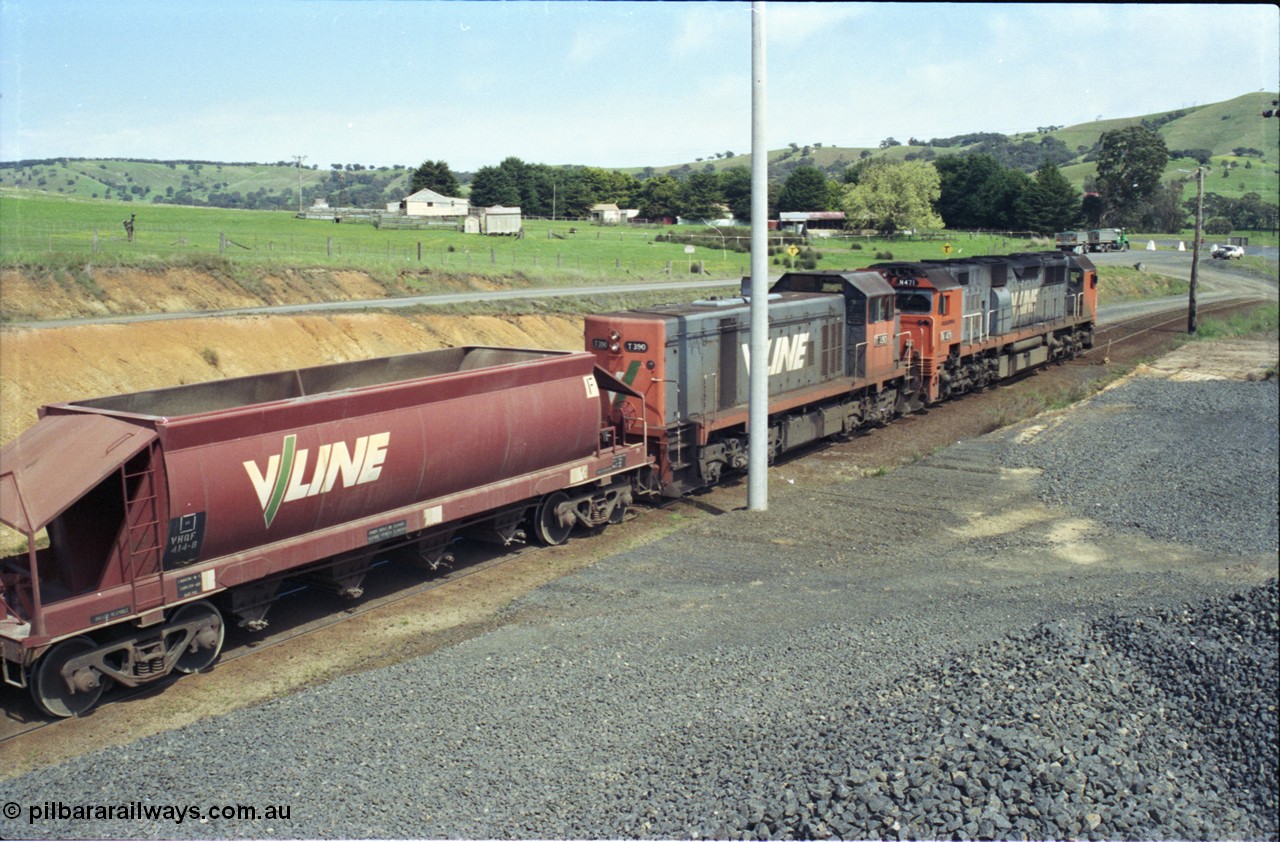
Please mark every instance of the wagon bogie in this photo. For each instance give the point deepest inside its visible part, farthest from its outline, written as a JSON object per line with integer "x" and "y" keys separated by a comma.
{"x": 69, "y": 678}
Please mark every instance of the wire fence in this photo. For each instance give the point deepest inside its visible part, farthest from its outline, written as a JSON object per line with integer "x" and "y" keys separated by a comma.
{"x": 583, "y": 252}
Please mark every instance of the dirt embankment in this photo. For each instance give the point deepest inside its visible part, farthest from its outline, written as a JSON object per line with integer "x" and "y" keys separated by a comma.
{"x": 84, "y": 291}
{"x": 49, "y": 365}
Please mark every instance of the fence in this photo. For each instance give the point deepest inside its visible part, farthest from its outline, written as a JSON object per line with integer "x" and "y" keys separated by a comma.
{"x": 602, "y": 252}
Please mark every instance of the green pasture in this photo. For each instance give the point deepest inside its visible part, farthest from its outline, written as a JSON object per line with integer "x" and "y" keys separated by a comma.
{"x": 40, "y": 231}
{"x": 49, "y": 233}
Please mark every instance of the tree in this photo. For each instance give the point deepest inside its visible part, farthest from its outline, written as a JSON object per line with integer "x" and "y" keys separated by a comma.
{"x": 435, "y": 175}
{"x": 659, "y": 197}
{"x": 735, "y": 186}
{"x": 1130, "y": 163}
{"x": 963, "y": 190}
{"x": 1164, "y": 211}
{"x": 895, "y": 196}
{"x": 804, "y": 190}
{"x": 1005, "y": 199}
{"x": 1051, "y": 204}
{"x": 701, "y": 197}
{"x": 494, "y": 186}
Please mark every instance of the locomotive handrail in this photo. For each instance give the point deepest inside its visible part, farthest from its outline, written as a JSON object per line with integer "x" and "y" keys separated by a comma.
{"x": 667, "y": 380}
{"x": 907, "y": 347}
{"x": 859, "y": 359}
{"x": 979, "y": 329}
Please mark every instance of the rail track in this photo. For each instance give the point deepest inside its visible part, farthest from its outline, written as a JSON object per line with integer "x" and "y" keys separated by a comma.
{"x": 298, "y": 614}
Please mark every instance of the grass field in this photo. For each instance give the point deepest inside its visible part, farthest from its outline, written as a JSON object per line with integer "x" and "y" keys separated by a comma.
{"x": 37, "y": 230}
{"x": 62, "y": 235}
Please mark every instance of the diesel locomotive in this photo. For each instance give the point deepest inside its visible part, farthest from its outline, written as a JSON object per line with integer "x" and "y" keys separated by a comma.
{"x": 154, "y": 518}
{"x": 846, "y": 350}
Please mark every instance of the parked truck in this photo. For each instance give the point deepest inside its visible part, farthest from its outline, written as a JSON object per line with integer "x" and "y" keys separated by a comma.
{"x": 1098, "y": 239}
{"x": 1108, "y": 239}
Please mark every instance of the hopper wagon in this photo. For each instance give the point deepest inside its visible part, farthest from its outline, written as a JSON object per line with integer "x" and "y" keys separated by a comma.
{"x": 150, "y": 517}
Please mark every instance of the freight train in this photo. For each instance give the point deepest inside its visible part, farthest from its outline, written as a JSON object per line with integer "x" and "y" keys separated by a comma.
{"x": 152, "y": 519}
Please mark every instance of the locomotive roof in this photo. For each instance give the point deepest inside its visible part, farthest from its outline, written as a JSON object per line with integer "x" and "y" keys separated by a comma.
{"x": 939, "y": 277}
{"x": 870, "y": 284}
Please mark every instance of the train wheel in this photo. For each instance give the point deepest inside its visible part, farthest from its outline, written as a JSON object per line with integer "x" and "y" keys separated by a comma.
{"x": 551, "y": 530}
{"x": 50, "y": 692}
{"x": 206, "y": 644}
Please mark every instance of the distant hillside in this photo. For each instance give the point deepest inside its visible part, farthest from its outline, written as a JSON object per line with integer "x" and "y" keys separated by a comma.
{"x": 1222, "y": 128}
{"x": 1243, "y": 149}
{"x": 226, "y": 185}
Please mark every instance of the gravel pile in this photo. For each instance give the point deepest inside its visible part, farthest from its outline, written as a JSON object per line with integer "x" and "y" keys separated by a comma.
{"x": 1191, "y": 462}
{"x": 1160, "y": 726}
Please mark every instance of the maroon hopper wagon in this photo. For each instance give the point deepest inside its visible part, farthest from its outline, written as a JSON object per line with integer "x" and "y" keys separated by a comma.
{"x": 155, "y": 503}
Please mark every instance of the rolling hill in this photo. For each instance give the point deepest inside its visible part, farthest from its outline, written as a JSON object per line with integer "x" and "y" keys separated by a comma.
{"x": 1221, "y": 128}
{"x": 1244, "y": 146}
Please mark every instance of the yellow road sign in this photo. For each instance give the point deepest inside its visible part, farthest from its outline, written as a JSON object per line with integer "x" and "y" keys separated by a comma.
{"x": 946, "y": 248}
{"x": 792, "y": 250}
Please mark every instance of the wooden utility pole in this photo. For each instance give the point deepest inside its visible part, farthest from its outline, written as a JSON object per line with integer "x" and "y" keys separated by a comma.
{"x": 297, "y": 162}
{"x": 1195, "y": 251}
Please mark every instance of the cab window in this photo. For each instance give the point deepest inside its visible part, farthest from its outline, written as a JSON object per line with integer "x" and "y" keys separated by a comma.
{"x": 915, "y": 302}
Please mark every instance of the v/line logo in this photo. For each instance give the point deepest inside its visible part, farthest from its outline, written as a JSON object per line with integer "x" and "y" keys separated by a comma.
{"x": 285, "y": 478}
{"x": 786, "y": 353}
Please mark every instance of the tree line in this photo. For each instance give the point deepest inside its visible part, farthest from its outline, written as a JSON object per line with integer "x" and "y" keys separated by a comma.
{"x": 991, "y": 185}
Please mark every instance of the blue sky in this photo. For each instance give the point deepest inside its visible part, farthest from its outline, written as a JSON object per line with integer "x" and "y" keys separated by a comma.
{"x": 599, "y": 83}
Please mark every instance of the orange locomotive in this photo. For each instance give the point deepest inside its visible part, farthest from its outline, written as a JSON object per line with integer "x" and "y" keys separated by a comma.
{"x": 847, "y": 350}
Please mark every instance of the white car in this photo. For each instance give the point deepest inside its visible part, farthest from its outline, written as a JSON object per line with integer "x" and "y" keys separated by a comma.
{"x": 1228, "y": 252}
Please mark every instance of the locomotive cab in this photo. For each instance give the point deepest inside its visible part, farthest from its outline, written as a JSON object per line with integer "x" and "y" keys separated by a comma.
{"x": 930, "y": 316}
{"x": 870, "y": 317}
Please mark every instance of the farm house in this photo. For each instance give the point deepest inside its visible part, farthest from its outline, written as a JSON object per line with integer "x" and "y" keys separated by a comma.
{"x": 430, "y": 203}
{"x": 610, "y": 214}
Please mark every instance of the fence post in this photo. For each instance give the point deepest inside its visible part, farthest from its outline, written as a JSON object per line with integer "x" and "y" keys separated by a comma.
{"x": 95, "y": 240}
{"x": 222, "y": 244}
{"x": 493, "y": 256}
{"x": 559, "y": 260}
{"x": 328, "y": 246}
{"x": 419, "y": 251}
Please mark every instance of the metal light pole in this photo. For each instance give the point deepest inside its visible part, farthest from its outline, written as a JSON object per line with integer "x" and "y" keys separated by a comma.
{"x": 724, "y": 248}
{"x": 758, "y": 402}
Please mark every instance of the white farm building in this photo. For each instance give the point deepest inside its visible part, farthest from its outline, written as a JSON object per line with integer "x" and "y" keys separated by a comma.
{"x": 430, "y": 203}
{"x": 497, "y": 220}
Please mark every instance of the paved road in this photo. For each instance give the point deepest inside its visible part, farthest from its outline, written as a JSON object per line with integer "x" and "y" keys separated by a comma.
{"x": 434, "y": 300}
{"x": 1216, "y": 281}
{"x": 1219, "y": 282}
